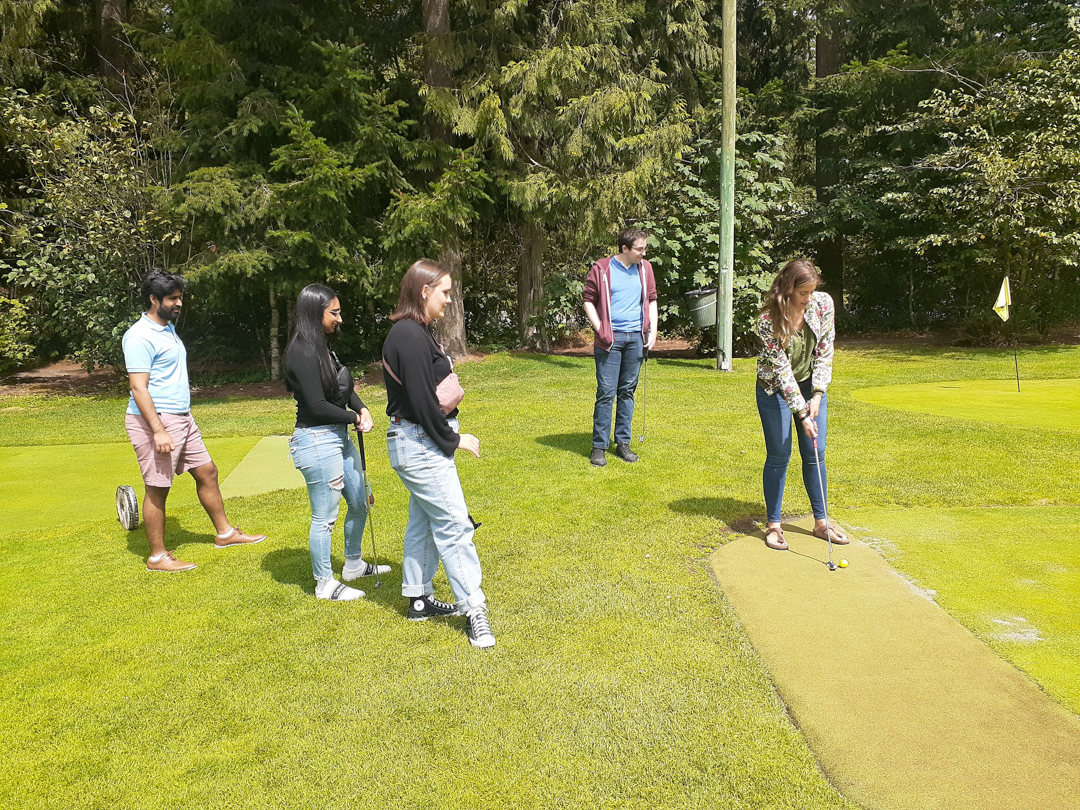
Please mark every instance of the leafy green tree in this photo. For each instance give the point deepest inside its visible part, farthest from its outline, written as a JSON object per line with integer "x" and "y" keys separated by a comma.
{"x": 86, "y": 226}
{"x": 15, "y": 345}
{"x": 581, "y": 109}
{"x": 856, "y": 136}
{"x": 1003, "y": 194}
{"x": 685, "y": 238}
{"x": 294, "y": 149}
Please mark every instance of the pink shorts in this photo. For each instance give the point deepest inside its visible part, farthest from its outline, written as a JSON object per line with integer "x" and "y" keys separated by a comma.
{"x": 189, "y": 451}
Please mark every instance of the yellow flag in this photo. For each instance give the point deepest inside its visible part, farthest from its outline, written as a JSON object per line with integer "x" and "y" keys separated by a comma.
{"x": 1004, "y": 299}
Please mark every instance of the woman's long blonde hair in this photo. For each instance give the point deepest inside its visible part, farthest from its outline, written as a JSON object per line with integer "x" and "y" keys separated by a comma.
{"x": 780, "y": 303}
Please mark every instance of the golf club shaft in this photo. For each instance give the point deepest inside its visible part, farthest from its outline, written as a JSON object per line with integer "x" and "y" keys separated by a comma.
{"x": 370, "y": 502}
{"x": 824, "y": 499}
{"x": 644, "y": 392}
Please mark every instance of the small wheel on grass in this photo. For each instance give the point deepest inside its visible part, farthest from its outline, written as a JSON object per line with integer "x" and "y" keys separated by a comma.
{"x": 127, "y": 508}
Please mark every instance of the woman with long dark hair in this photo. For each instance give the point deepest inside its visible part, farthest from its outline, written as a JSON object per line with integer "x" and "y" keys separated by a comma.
{"x": 794, "y": 369}
{"x": 321, "y": 448}
{"x": 422, "y": 398}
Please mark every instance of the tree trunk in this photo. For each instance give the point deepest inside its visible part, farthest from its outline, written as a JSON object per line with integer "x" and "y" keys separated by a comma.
{"x": 830, "y": 257}
{"x": 437, "y": 28}
{"x": 911, "y": 290}
{"x": 290, "y": 318}
{"x": 275, "y": 328}
{"x": 450, "y": 330}
{"x": 112, "y": 48}
{"x": 531, "y": 287}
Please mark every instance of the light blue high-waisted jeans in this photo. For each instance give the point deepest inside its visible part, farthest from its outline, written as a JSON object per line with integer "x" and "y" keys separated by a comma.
{"x": 328, "y": 460}
{"x": 439, "y": 525}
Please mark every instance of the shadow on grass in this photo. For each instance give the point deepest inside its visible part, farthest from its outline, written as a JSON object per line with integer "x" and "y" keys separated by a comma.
{"x": 703, "y": 363}
{"x": 580, "y": 444}
{"x": 735, "y": 513}
{"x": 292, "y": 566}
{"x": 175, "y": 536}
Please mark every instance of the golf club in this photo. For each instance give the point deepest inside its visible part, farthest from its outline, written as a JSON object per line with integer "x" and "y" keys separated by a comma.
{"x": 644, "y": 390}
{"x": 370, "y": 503}
{"x": 828, "y": 527}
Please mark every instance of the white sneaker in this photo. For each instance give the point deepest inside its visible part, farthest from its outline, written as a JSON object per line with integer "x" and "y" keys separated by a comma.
{"x": 479, "y": 628}
{"x": 336, "y": 591}
{"x": 361, "y": 569}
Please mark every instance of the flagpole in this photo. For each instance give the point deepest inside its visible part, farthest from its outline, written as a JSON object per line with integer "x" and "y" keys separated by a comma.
{"x": 1001, "y": 307}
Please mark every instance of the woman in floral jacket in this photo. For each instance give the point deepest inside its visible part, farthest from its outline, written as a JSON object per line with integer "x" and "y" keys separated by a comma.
{"x": 794, "y": 368}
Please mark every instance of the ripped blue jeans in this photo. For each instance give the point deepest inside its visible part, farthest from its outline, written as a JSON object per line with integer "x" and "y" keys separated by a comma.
{"x": 330, "y": 464}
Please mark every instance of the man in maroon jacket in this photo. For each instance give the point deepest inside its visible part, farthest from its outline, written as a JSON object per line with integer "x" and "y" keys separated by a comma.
{"x": 620, "y": 302}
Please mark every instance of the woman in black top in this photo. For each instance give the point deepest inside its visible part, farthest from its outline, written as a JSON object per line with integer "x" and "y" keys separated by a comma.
{"x": 321, "y": 449}
{"x": 422, "y": 397}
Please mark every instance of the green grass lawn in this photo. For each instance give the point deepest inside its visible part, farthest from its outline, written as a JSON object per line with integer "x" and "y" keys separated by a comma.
{"x": 1038, "y": 403}
{"x": 621, "y": 677}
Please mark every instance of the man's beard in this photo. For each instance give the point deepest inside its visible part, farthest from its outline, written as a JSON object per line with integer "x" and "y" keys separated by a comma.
{"x": 167, "y": 313}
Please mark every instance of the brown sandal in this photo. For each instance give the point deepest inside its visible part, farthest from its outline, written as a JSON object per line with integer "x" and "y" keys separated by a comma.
{"x": 838, "y": 537}
{"x": 780, "y": 544}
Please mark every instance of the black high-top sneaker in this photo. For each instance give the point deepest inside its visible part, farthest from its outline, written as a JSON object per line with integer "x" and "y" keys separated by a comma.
{"x": 424, "y": 607}
{"x": 479, "y": 628}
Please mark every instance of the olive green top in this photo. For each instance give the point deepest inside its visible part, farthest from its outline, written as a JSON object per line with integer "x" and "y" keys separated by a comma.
{"x": 801, "y": 353}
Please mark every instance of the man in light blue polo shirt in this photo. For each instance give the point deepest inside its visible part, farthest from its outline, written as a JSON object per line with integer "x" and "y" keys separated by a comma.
{"x": 166, "y": 439}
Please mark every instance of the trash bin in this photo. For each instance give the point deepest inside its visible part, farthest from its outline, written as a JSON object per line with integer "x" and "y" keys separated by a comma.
{"x": 703, "y": 307}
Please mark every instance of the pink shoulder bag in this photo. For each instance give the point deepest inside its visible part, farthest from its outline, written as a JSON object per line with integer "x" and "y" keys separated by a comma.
{"x": 449, "y": 391}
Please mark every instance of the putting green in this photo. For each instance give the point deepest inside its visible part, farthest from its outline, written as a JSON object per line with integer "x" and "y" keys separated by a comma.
{"x": 1008, "y": 574}
{"x": 1040, "y": 403}
{"x": 62, "y": 484}
{"x": 903, "y": 707}
{"x": 266, "y": 468}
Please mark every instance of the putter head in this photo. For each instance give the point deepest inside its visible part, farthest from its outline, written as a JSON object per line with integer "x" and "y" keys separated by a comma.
{"x": 831, "y": 565}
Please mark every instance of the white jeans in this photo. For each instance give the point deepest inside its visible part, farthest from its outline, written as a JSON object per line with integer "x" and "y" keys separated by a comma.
{"x": 439, "y": 525}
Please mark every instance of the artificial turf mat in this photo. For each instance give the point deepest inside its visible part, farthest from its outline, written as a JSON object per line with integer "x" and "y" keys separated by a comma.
{"x": 53, "y": 486}
{"x": 266, "y": 468}
{"x": 1039, "y": 403}
{"x": 1022, "y": 603}
{"x": 903, "y": 707}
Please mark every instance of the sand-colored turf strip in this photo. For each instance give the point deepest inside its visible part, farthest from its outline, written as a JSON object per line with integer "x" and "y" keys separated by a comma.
{"x": 1010, "y": 574}
{"x": 1040, "y": 403}
{"x": 903, "y": 707}
{"x": 266, "y": 468}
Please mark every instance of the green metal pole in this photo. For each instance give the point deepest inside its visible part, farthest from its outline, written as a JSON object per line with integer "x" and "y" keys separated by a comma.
{"x": 727, "y": 193}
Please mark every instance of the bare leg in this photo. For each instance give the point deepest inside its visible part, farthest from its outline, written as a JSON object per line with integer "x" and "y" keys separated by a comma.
{"x": 206, "y": 484}
{"x": 154, "y": 516}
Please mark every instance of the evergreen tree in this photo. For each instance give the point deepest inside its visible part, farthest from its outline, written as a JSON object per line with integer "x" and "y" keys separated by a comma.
{"x": 572, "y": 103}
{"x": 293, "y": 148}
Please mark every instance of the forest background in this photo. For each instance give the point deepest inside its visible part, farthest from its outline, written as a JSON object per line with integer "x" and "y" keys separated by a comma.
{"x": 918, "y": 150}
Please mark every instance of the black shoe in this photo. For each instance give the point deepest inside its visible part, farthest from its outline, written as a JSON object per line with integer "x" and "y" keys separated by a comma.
{"x": 598, "y": 458}
{"x": 624, "y": 452}
{"x": 479, "y": 628}
{"x": 424, "y": 607}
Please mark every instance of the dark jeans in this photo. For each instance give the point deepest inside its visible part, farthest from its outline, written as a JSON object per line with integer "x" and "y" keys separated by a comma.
{"x": 776, "y": 422}
{"x": 616, "y": 381}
